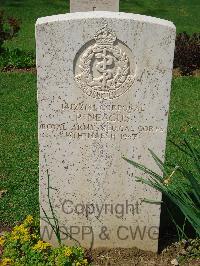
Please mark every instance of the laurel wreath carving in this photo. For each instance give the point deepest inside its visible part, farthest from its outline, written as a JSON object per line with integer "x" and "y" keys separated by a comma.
{"x": 103, "y": 70}
{"x": 121, "y": 73}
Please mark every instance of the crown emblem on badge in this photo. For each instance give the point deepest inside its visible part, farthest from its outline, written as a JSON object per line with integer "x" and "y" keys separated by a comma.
{"x": 105, "y": 36}
{"x": 104, "y": 69}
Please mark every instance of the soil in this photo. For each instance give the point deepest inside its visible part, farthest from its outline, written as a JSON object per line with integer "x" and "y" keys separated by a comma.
{"x": 177, "y": 73}
{"x": 20, "y": 70}
{"x": 135, "y": 257}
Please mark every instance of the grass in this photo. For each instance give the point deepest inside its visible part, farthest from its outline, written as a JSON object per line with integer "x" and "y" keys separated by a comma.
{"x": 184, "y": 13}
{"x": 18, "y": 138}
{"x": 28, "y": 12}
{"x": 184, "y": 109}
{"x": 18, "y": 147}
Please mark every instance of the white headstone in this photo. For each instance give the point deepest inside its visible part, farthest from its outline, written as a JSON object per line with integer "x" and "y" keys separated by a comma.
{"x": 94, "y": 5}
{"x": 104, "y": 83}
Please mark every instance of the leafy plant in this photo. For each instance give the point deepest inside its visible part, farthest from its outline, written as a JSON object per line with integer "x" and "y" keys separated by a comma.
{"x": 190, "y": 249}
{"x": 16, "y": 59}
{"x": 187, "y": 53}
{"x": 181, "y": 186}
{"x": 23, "y": 247}
{"x": 9, "y": 27}
{"x": 12, "y": 58}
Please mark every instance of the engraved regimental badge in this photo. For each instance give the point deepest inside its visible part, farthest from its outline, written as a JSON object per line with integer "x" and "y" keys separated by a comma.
{"x": 103, "y": 68}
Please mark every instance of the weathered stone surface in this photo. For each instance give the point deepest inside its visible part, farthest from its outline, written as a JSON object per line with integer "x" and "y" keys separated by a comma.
{"x": 103, "y": 91}
{"x": 94, "y": 5}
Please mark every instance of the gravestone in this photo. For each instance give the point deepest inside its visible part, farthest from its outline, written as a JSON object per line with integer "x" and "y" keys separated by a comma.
{"x": 103, "y": 92}
{"x": 94, "y": 5}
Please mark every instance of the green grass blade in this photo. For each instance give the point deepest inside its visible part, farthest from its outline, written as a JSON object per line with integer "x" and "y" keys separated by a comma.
{"x": 144, "y": 169}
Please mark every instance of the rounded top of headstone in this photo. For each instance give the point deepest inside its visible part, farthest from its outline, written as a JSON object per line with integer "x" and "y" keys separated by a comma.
{"x": 104, "y": 14}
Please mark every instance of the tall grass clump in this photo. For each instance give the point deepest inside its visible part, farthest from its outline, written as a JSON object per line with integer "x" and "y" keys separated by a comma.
{"x": 180, "y": 184}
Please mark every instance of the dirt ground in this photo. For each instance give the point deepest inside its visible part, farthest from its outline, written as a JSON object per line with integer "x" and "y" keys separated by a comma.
{"x": 135, "y": 257}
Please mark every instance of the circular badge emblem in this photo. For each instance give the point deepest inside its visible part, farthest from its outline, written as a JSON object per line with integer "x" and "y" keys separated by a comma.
{"x": 103, "y": 68}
